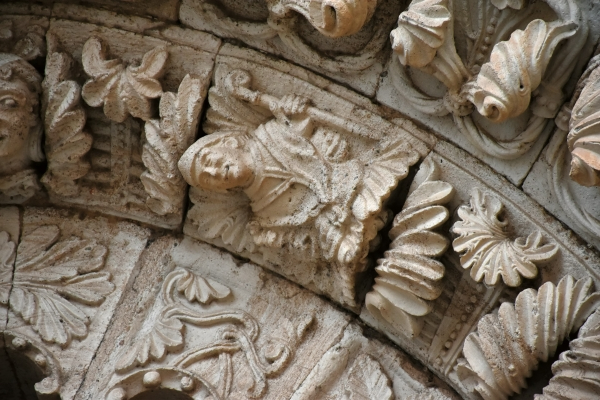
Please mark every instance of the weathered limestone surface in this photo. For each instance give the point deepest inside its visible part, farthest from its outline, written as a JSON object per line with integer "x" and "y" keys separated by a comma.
{"x": 70, "y": 273}
{"x": 402, "y": 199}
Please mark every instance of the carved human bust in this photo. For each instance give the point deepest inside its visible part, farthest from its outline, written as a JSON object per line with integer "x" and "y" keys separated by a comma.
{"x": 20, "y": 128}
{"x": 281, "y": 167}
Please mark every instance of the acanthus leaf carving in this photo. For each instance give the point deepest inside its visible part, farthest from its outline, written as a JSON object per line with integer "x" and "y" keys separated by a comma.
{"x": 421, "y": 32}
{"x": 51, "y": 275}
{"x": 122, "y": 90}
{"x": 66, "y": 142}
{"x": 504, "y": 85}
{"x": 488, "y": 249}
{"x": 366, "y": 380}
{"x": 508, "y": 345}
{"x": 408, "y": 277}
{"x": 166, "y": 140}
{"x": 501, "y": 75}
{"x": 7, "y": 258}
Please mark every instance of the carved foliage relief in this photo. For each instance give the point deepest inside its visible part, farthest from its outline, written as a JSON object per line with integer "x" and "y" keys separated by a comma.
{"x": 312, "y": 32}
{"x": 409, "y": 277}
{"x": 198, "y": 342}
{"x": 487, "y": 248}
{"x": 509, "y": 345}
{"x": 113, "y": 134}
{"x": 51, "y": 277}
{"x": 489, "y": 63}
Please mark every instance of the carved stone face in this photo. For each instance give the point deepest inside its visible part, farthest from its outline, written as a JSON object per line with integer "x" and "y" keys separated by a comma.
{"x": 16, "y": 117}
{"x": 19, "y": 119}
{"x": 223, "y": 168}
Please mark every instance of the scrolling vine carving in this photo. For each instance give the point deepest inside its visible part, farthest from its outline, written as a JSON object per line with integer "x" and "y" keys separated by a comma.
{"x": 240, "y": 331}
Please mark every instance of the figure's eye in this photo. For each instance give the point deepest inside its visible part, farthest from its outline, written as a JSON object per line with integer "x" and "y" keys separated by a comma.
{"x": 8, "y": 102}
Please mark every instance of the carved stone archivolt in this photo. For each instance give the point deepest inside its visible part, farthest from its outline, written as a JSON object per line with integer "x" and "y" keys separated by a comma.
{"x": 113, "y": 139}
{"x": 509, "y": 345}
{"x": 204, "y": 125}
{"x": 341, "y": 38}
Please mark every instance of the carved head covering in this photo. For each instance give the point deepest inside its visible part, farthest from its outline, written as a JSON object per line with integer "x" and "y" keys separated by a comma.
{"x": 13, "y": 67}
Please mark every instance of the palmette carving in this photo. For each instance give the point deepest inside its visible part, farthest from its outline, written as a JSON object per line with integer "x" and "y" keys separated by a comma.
{"x": 501, "y": 71}
{"x": 408, "y": 277}
{"x": 239, "y": 333}
{"x": 165, "y": 333}
{"x": 122, "y": 90}
{"x": 66, "y": 142}
{"x": 577, "y": 371}
{"x": 508, "y": 346}
{"x": 488, "y": 249}
{"x": 166, "y": 140}
{"x": 51, "y": 276}
{"x": 366, "y": 380}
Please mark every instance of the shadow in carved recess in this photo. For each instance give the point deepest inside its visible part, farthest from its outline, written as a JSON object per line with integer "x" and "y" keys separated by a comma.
{"x": 162, "y": 394}
{"x": 541, "y": 376}
{"x": 18, "y": 377}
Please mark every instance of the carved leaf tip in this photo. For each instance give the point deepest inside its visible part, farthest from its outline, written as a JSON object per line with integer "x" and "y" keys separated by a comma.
{"x": 420, "y": 32}
{"x": 66, "y": 142}
{"x": 166, "y": 140}
{"x": 584, "y": 133}
{"x": 7, "y": 258}
{"x": 367, "y": 380}
{"x": 516, "y": 68}
{"x": 487, "y": 248}
{"x": 202, "y": 290}
{"x": 122, "y": 90}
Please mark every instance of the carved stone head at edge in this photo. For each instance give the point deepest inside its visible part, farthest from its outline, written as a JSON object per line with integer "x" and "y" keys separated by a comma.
{"x": 20, "y": 128}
